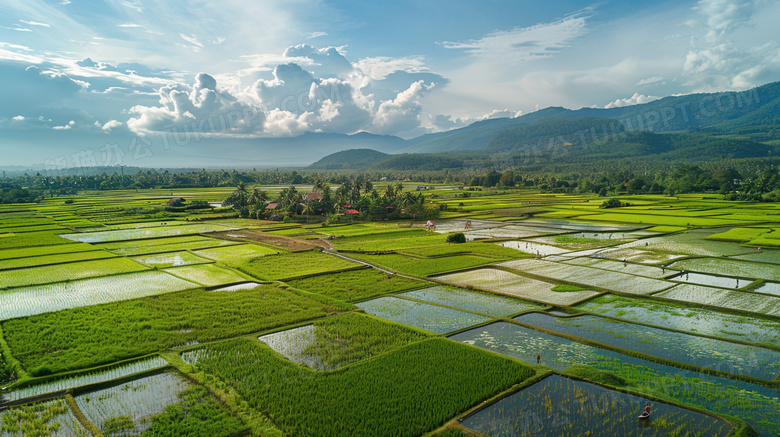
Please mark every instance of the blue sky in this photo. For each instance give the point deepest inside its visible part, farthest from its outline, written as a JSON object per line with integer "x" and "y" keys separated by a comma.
{"x": 88, "y": 74}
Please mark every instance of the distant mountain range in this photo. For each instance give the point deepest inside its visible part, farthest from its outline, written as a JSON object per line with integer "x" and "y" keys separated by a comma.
{"x": 691, "y": 127}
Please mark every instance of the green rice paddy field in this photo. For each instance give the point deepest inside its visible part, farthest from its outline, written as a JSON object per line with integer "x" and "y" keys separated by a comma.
{"x": 115, "y": 321}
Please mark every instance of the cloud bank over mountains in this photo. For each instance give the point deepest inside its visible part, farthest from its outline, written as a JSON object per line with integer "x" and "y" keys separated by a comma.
{"x": 112, "y": 71}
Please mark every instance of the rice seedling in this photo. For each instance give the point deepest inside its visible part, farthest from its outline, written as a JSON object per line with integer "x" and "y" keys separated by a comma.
{"x": 482, "y": 303}
{"x": 406, "y": 392}
{"x": 37, "y": 261}
{"x": 174, "y": 259}
{"x": 137, "y": 234}
{"x": 589, "y": 277}
{"x": 196, "y": 414}
{"x": 233, "y": 255}
{"x": 31, "y": 239}
{"x": 137, "y": 401}
{"x": 424, "y": 266}
{"x": 432, "y": 318}
{"x": 356, "y": 285}
{"x": 206, "y": 274}
{"x": 731, "y": 299}
{"x": 495, "y": 251}
{"x": 673, "y": 346}
{"x": 69, "y": 272}
{"x": 76, "y": 381}
{"x": 7, "y": 254}
{"x": 558, "y": 406}
{"x": 729, "y": 267}
{"x": 52, "y": 418}
{"x": 684, "y": 318}
{"x": 39, "y": 299}
{"x": 334, "y": 342}
{"x": 512, "y": 284}
{"x": 292, "y": 265}
{"x": 755, "y": 404}
{"x": 84, "y": 337}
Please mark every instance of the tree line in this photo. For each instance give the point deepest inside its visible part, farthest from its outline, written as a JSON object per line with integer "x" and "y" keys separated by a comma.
{"x": 753, "y": 179}
{"x": 356, "y": 197}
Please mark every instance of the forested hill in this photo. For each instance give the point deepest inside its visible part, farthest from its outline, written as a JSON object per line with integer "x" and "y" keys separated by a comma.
{"x": 569, "y": 149}
{"x": 353, "y": 158}
{"x": 754, "y": 113}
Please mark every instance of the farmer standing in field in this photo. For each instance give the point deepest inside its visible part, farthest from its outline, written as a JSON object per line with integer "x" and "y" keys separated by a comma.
{"x": 539, "y": 359}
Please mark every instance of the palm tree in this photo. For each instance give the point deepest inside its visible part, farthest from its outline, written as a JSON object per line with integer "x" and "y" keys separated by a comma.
{"x": 307, "y": 210}
{"x": 240, "y": 194}
{"x": 258, "y": 196}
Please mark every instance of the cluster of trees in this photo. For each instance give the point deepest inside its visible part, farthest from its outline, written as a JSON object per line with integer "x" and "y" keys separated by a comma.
{"x": 10, "y": 193}
{"x": 352, "y": 195}
{"x": 763, "y": 185}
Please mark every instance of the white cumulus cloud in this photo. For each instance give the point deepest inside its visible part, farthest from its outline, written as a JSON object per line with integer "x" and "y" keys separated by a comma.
{"x": 636, "y": 99}
{"x": 111, "y": 124}
{"x": 321, "y": 91}
{"x": 18, "y": 118}
{"x": 66, "y": 126}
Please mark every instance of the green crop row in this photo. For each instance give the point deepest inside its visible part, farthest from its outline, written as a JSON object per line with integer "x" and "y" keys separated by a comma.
{"x": 44, "y": 260}
{"x": 12, "y": 222}
{"x": 36, "y": 228}
{"x": 68, "y": 272}
{"x": 739, "y": 234}
{"x": 352, "y": 337}
{"x": 474, "y": 248}
{"x": 85, "y": 337}
{"x": 291, "y": 265}
{"x": 45, "y": 250}
{"x": 380, "y": 245}
{"x": 356, "y": 284}
{"x": 31, "y": 239}
{"x": 391, "y": 234}
{"x": 406, "y": 392}
{"x": 197, "y": 414}
{"x": 425, "y": 266}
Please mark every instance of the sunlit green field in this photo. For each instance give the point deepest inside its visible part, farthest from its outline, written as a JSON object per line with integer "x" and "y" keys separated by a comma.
{"x": 384, "y": 328}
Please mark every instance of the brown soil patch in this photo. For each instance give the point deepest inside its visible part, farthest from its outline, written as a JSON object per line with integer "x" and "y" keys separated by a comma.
{"x": 287, "y": 243}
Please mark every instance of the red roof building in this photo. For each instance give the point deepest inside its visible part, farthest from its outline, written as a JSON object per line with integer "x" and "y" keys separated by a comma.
{"x": 353, "y": 211}
{"x": 272, "y": 205}
{"x": 312, "y": 196}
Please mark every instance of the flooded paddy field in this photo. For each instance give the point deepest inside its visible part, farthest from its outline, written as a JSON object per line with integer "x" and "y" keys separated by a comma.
{"x": 559, "y": 406}
{"x": 325, "y": 321}
{"x": 729, "y": 299}
{"x": 434, "y": 318}
{"x": 622, "y": 267}
{"x": 52, "y": 418}
{"x": 710, "y": 280}
{"x": 587, "y": 276}
{"x": 635, "y": 255}
{"x": 133, "y": 403}
{"x": 503, "y": 282}
{"x": 720, "y": 266}
{"x": 687, "y": 319}
{"x": 753, "y": 403}
{"x": 538, "y": 249}
{"x": 673, "y": 346}
{"x": 481, "y": 303}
